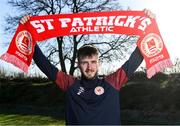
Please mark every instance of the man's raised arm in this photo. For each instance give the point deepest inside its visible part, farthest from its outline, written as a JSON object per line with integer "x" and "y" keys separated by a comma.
{"x": 133, "y": 63}
{"x": 44, "y": 65}
{"x": 60, "y": 78}
{"x": 121, "y": 76}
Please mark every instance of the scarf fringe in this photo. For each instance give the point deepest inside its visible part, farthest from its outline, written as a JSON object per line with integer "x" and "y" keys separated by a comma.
{"x": 159, "y": 67}
{"x": 15, "y": 61}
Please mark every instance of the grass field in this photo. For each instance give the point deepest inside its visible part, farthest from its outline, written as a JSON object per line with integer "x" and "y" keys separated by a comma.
{"x": 15, "y": 119}
{"x": 30, "y": 115}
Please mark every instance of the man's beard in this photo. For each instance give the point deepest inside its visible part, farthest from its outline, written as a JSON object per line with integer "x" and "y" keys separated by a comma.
{"x": 89, "y": 76}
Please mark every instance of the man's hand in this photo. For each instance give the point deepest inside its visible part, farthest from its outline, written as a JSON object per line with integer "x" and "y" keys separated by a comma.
{"x": 149, "y": 13}
{"x": 24, "y": 19}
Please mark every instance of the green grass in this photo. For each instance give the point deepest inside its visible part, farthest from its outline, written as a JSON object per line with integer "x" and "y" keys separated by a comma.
{"x": 30, "y": 115}
{"x": 15, "y": 119}
{"x": 132, "y": 117}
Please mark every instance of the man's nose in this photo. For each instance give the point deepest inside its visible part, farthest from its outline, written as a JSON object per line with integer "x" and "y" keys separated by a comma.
{"x": 89, "y": 66}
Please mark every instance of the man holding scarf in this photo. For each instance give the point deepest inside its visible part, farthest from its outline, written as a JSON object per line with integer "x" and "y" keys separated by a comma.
{"x": 90, "y": 100}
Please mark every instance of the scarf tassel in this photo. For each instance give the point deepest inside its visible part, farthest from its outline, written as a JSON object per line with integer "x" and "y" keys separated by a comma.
{"x": 159, "y": 67}
{"x": 15, "y": 61}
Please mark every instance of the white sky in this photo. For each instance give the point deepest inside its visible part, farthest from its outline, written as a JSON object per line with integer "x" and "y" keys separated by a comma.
{"x": 167, "y": 16}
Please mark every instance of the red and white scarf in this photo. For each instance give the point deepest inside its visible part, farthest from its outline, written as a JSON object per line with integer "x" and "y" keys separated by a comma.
{"x": 39, "y": 28}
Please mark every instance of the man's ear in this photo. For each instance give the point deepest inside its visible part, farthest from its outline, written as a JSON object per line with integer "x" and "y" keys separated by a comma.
{"x": 77, "y": 64}
{"x": 99, "y": 63}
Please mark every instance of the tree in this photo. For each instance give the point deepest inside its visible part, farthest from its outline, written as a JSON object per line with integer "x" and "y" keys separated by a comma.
{"x": 175, "y": 68}
{"x": 66, "y": 47}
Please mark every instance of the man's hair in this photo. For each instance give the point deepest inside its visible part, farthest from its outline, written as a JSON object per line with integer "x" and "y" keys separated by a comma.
{"x": 87, "y": 51}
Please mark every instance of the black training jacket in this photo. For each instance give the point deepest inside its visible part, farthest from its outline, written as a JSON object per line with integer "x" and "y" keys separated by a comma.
{"x": 95, "y": 101}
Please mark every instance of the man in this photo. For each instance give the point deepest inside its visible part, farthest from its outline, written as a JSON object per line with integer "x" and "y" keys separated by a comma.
{"x": 90, "y": 99}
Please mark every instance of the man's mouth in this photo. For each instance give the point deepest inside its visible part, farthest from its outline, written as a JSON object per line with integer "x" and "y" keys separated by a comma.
{"x": 89, "y": 71}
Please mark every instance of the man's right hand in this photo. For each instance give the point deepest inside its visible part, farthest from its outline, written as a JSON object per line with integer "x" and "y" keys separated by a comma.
{"x": 149, "y": 13}
{"x": 24, "y": 19}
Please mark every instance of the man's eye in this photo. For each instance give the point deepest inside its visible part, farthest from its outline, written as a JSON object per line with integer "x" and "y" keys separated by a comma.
{"x": 83, "y": 63}
{"x": 94, "y": 62}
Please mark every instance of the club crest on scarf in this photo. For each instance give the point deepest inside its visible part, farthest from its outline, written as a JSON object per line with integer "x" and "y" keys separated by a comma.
{"x": 151, "y": 45}
{"x": 24, "y": 42}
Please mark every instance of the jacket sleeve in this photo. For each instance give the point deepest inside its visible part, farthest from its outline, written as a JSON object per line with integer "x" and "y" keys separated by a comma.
{"x": 60, "y": 78}
{"x": 44, "y": 65}
{"x": 133, "y": 63}
{"x": 121, "y": 76}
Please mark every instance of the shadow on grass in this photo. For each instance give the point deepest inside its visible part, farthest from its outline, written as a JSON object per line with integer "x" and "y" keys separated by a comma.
{"x": 55, "y": 112}
{"x": 31, "y": 115}
{"x": 137, "y": 117}
{"x": 31, "y": 99}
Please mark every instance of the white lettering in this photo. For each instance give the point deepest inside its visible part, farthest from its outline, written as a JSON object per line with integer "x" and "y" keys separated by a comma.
{"x": 110, "y": 29}
{"x": 144, "y": 24}
{"x": 48, "y": 22}
{"x": 156, "y": 58}
{"x": 111, "y": 20}
{"x": 92, "y": 29}
{"x": 64, "y": 22}
{"x": 89, "y": 20}
{"x": 39, "y": 27}
{"x": 21, "y": 55}
{"x": 77, "y": 21}
{"x": 131, "y": 21}
{"x": 85, "y": 29}
{"x": 101, "y": 21}
{"x": 73, "y": 29}
{"x": 118, "y": 21}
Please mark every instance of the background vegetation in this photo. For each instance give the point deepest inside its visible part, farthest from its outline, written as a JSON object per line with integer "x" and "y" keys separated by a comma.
{"x": 37, "y": 101}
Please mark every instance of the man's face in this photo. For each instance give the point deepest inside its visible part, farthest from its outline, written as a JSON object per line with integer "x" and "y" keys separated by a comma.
{"x": 89, "y": 66}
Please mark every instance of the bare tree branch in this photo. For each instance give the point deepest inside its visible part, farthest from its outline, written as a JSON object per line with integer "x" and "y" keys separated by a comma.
{"x": 66, "y": 48}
